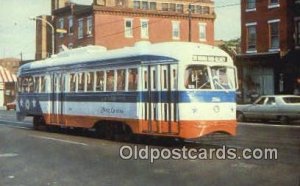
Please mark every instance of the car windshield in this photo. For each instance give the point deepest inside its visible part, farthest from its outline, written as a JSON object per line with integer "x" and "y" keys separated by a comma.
{"x": 291, "y": 99}
{"x": 206, "y": 77}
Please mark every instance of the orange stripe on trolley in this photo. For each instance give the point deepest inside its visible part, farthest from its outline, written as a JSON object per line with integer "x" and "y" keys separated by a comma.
{"x": 181, "y": 129}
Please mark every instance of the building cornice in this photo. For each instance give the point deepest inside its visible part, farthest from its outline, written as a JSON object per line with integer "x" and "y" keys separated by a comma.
{"x": 153, "y": 13}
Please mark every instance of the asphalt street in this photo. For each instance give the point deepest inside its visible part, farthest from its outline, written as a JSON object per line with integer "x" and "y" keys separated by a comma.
{"x": 29, "y": 157}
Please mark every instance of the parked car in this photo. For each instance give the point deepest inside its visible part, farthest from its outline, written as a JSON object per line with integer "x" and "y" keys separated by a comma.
{"x": 283, "y": 108}
{"x": 11, "y": 105}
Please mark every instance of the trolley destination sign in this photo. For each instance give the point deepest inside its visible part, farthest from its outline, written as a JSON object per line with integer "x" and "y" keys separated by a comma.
{"x": 209, "y": 58}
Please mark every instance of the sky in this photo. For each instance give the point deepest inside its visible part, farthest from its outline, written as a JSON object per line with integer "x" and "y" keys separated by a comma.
{"x": 17, "y": 32}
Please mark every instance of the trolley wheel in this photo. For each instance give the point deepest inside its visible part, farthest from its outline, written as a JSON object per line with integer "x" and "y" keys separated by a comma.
{"x": 284, "y": 120}
{"x": 109, "y": 132}
{"x": 240, "y": 117}
{"x": 105, "y": 131}
{"x": 38, "y": 122}
{"x": 100, "y": 131}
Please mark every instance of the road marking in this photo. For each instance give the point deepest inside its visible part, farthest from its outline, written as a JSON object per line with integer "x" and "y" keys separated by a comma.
{"x": 269, "y": 125}
{"x": 15, "y": 122}
{"x": 17, "y": 127}
{"x": 8, "y": 155}
{"x": 59, "y": 140}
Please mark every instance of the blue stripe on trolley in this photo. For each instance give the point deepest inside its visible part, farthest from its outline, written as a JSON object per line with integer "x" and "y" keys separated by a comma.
{"x": 132, "y": 97}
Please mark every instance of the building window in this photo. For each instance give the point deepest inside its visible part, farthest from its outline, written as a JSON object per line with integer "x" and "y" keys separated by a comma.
{"x": 128, "y": 28}
{"x": 144, "y": 29}
{"x": 145, "y": 5}
{"x": 179, "y": 8}
{"x": 192, "y": 8}
{"x": 120, "y": 3}
{"x": 164, "y": 6}
{"x": 205, "y": 10}
{"x": 198, "y": 9}
{"x": 274, "y": 34}
{"x": 60, "y": 49}
{"x": 251, "y": 37}
{"x": 71, "y": 27}
{"x": 273, "y": 3}
{"x": 176, "y": 30}
{"x": 89, "y": 29}
{"x": 172, "y": 7}
{"x": 80, "y": 28}
{"x": 251, "y": 4}
{"x": 61, "y": 26}
{"x": 297, "y": 31}
{"x": 136, "y": 5}
{"x": 202, "y": 31}
{"x": 70, "y": 45}
{"x": 152, "y": 5}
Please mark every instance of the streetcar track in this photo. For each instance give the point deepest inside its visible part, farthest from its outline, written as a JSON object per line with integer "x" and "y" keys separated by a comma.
{"x": 211, "y": 141}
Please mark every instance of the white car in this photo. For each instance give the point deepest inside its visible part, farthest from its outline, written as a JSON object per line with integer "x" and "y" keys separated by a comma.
{"x": 284, "y": 108}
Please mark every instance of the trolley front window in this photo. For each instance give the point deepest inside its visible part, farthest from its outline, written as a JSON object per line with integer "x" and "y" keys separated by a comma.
{"x": 223, "y": 77}
{"x": 197, "y": 77}
{"x": 210, "y": 77}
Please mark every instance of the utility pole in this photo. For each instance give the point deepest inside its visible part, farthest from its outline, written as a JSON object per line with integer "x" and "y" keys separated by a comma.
{"x": 52, "y": 30}
{"x": 190, "y": 22}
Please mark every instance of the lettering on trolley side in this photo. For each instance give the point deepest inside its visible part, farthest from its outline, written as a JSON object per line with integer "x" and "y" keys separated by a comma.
{"x": 110, "y": 110}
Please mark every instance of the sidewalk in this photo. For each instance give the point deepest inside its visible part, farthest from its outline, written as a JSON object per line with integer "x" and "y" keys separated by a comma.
{"x": 2, "y": 107}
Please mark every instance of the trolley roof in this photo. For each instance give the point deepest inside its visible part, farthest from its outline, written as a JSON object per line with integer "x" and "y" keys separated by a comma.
{"x": 143, "y": 52}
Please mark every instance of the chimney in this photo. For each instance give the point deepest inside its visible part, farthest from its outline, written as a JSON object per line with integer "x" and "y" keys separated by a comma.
{"x": 56, "y": 4}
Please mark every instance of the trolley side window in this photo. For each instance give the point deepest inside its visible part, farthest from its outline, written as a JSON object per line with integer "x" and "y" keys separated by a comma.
{"x": 165, "y": 79}
{"x": 81, "y": 81}
{"x": 30, "y": 84}
{"x": 132, "y": 79}
{"x": 43, "y": 84}
{"x": 90, "y": 81}
{"x": 146, "y": 80}
{"x": 72, "y": 83}
{"x": 110, "y": 80}
{"x": 37, "y": 84}
{"x": 25, "y": 84}
{"x": 19, "y": 85}
{"x": 100, "y": 81}
{"x": 174, "y": 79}
{"x": 121, "y": 77}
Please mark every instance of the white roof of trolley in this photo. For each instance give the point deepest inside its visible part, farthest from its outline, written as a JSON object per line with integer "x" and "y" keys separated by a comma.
{"x": 176, "y": 50}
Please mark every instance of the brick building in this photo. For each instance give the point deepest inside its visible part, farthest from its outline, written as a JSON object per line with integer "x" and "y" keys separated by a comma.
{"x": 270, "y": 44}
{"x": 120, "y": 23}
